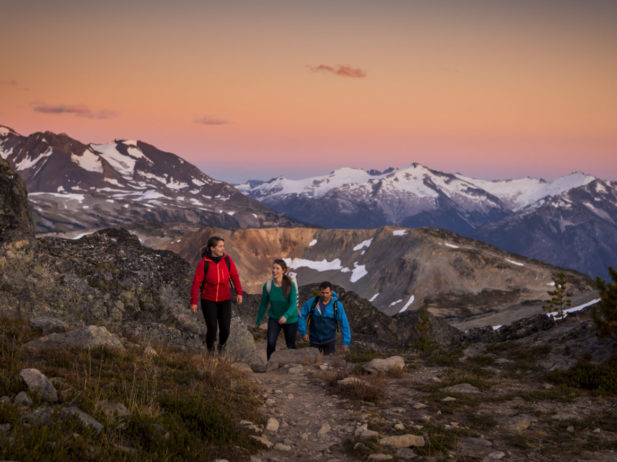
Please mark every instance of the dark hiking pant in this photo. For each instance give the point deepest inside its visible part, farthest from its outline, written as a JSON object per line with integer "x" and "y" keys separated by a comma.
{"x": 325, "y": 348}
{"x": 216, "y": 313}
{"x": 274, "y": 328}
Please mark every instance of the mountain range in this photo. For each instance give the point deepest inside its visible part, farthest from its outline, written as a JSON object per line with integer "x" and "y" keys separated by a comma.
{"x": 570, "y": 222}
{"x": 81, "y": 187}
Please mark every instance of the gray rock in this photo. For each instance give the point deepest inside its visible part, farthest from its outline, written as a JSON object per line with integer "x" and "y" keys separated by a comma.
{"x": 462, "y": 388}
{"x": 85, "y": 337}
{"x": 405, "y": 454}
{"x": 48, "y": 324}
{"x": 380, "y": 457}
{"x": 22, "y": 399}
{"x": 391, "y": 364}
{"x": 402, "y": 441}
{"x": 39, "y": 416}
{"x": 240, "y": 345}
{"x": 272, "y": 425}
{"x": 519, "y": 423}
{"x": 39, "y": 383}
{"x": 474, "y": 447}
{"x": 306, "y": 356}
{"x": 112, "y": 409}
{"x": 15, "y": 220}
{"x": 263, "y": 440}
{"x": 282, "y": 447}
{"x": 85, "y": 419}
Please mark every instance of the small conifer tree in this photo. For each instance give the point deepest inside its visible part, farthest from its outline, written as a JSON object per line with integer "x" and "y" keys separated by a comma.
{"x": 425, "y": 342}
{"x": 560, "y": 297}
{"x": 605, "y": 313}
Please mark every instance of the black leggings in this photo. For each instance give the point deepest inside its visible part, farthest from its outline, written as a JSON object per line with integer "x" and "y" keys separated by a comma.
{"x": 216, "y": 312}
{"x": 274, "y": 328}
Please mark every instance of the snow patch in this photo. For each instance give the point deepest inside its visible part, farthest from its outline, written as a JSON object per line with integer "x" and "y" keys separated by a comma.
{"x": 399, "y": 232}
{"x": 374, "y": 297}
{"x": 358, "y": 272}
{"x": 65, "y": 196}
{"x": 515, "y": 262}
{"x": 323, "y": 265}
{"x": 27, "y": 162}
{"x": 409, "y": 302}
{"x": 363, "y": 244}
{"x": 123, "y": 164}
{"x": 88, "y": 161}
{"x": 396, "y": 302}
{"x": 452, "y": 246}
{"x": 553, "y": 314}
{"x": 312, "y": 243}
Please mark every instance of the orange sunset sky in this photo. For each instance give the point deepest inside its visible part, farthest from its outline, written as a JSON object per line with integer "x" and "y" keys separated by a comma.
{"x": 256, "y": 89}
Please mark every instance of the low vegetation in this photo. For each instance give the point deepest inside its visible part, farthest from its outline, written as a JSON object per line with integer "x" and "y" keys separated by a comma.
{"x": 180, "y": 405}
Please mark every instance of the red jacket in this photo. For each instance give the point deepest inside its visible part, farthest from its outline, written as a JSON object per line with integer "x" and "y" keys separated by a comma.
{"x": 216, "y": 287}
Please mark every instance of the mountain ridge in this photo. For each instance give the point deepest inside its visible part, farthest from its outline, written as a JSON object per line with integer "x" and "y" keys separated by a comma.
{"x": 495, "y": 211}
{"x": 77, "y": 186}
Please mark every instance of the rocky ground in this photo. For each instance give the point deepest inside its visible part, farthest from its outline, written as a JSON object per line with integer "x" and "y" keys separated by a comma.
{"x": 487, "y": 401}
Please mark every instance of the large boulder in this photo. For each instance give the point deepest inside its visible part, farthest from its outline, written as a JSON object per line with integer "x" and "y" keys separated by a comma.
{"x": 38, "y": 383}
{"x": 85, "y": 337}
{"x": 15, "y": 217}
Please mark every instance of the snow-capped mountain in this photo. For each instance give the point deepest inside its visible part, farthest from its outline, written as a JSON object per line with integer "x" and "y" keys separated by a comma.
{"x": 73, "y": 185}
{"x": 500, "y": 212}
{"x": 411, "y": 196}
{"x": 574, "y": 229}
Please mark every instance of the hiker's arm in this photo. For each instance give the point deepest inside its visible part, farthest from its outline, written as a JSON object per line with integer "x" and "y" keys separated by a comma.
{"x": 344, "y": 323}
{"x": 265, "y": 298}
{"x": 302, "y": 319}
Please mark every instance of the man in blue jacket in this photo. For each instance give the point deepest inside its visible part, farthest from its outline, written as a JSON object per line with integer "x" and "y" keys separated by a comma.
{"x": 323, "y": 315}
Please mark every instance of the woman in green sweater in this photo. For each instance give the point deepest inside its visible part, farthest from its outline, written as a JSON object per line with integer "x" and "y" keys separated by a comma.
{"x": 281, "y": 294}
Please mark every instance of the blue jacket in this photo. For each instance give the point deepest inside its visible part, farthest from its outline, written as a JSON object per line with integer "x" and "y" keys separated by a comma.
{"x": 322, "y": 328}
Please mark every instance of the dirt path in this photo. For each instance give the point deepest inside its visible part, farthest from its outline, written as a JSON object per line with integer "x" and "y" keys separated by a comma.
{"x": 312, "y": 423}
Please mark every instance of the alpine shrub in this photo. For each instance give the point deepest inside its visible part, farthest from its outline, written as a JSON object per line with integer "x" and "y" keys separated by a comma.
{"x": 560, "y": 297}
{"x": 605, "y": 313}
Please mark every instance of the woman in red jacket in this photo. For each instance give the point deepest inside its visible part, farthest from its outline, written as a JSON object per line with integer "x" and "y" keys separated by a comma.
{"x": 211, "y": 283}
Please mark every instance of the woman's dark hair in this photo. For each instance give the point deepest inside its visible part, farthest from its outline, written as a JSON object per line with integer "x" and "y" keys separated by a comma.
{"x": 286, "y": 280}
{"x": 212, "y": 242}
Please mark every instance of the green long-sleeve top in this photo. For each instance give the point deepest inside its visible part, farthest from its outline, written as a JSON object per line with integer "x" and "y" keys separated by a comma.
{"x": 279, "y": 304}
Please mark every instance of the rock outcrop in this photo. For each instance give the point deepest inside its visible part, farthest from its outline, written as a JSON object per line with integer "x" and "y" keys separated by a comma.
{"x": 15, "y": 219}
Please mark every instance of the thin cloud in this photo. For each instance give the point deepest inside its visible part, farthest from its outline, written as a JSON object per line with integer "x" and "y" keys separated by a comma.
{"x": 211, "y": 120}
{"x": 8, "y": 83}
{"x": 80, "y": 110}
{"x": 340, "y": 70}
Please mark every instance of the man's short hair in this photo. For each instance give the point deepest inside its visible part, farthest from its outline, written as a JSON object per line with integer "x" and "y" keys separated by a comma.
{"x": 325, "y": 285}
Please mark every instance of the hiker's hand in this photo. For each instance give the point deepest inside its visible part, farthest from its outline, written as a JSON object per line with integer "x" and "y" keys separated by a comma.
{"x": 305, "y": 338}
{"x": 194, "y": 308}
{"x": 239, "y": 299}
{"x": 345, "y": 348}
{"x": 256, "y": 327}
{"x": 282, "y": 320}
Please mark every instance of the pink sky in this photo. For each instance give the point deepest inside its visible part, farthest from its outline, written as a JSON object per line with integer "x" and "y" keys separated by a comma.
{"x": 247, "y": 89}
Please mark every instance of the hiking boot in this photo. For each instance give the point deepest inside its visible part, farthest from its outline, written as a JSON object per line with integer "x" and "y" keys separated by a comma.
{"x": 221, "y": 350}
